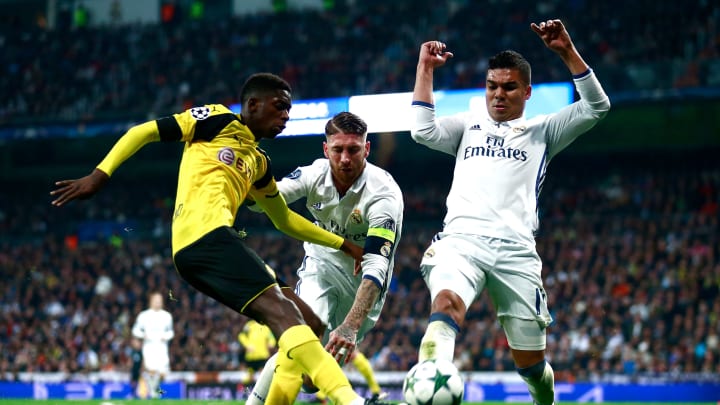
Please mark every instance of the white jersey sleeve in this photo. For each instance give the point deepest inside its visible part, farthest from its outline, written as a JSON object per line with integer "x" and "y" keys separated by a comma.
{"x": 442, "y": 134}
{"x": 563, "y": 127}
{"x": 294, "y": 186}
{"x": 384, "y": 217}
{"x": 138, "y": 329}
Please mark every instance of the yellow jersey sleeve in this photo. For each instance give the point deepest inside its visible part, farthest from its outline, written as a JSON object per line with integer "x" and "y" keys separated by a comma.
{"x": 134, "y": 139}
{"x": 266, "y": 195}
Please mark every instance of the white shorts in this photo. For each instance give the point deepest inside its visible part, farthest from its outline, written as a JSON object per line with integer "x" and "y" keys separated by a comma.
{"x": 330, "y": 292}
{"x": 156, "y": 359}
{"x": 468, "y": 264}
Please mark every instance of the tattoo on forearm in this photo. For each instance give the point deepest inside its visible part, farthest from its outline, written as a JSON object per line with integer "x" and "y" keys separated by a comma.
{"x": 365, "y": 298}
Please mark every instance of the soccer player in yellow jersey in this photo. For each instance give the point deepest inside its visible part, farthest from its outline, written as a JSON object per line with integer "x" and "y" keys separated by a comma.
{"x": 258, "y": 342}
{"x": 221, "y": 166}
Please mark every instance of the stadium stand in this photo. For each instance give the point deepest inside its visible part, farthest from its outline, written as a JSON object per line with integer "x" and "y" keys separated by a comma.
{"x": 135, "y": 71}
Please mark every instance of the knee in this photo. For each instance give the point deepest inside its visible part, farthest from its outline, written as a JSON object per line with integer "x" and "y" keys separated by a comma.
{"x": 273, "y": 309}
{"x": 449, "y": 303}
{"x": 531, "y": 360}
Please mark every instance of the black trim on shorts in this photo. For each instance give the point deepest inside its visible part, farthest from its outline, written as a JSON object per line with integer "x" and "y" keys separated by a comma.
{"x": 221, "y": 266}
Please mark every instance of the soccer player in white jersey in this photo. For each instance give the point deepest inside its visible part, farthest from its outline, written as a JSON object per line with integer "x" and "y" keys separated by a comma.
{"x": 487, "y": 241}
{"x": 154, "y": 326}
{"x": 355, "y": 199}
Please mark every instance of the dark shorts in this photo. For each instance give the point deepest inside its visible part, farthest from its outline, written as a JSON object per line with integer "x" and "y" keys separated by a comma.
{"x": 220, "y": 265}
{"x": 255, "y": 364}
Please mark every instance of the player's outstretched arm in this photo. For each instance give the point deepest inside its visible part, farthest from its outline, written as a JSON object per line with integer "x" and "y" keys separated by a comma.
{"x": 295, "y": 225}
{"x": 343, "y": 339}
{"x": 85, "y": 187}
{"x": 557, "y": 39}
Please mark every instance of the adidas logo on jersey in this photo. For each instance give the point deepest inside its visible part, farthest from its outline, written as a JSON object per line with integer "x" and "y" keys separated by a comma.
{"x": 475, "y": 127}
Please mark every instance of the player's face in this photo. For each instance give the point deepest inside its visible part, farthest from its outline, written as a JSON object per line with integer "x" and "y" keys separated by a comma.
{"x": 156, "y": 302}
{"x": 346, "y": 153}
{"x": 506, "y": 94}
{"x": 267, "y": 114}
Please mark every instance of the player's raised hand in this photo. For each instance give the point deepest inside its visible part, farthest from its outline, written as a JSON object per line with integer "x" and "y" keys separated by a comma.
{"x": 78, "y": 189}
{"x": 342, "y": 342}
{"x": 433, "y": 54}
{"x": 554, "y": 35}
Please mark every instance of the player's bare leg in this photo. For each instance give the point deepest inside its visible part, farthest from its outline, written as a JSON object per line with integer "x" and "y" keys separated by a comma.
{"x": 262, "y": 385}
{"x": 299, "y": 351}
{"x": 447, "y": 314}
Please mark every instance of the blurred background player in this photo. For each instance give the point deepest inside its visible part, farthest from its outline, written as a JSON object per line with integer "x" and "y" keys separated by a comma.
{"x": 361, "y": 202}
{"x": 488, "y": 237}
{"x": 258, "y": 343}
{"x": 154, "y": 327}
{"x": 135, "y": 365}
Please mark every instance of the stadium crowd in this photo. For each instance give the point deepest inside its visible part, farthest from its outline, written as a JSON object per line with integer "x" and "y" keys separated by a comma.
{"x": 370, "y": 47}
{"x": 631, "y": 263}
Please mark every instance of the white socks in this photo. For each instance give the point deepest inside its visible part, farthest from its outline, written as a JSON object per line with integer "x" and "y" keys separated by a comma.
{"x": 541, "y": 382}
{"x": 438, "y": 342}
{"x": 262, "y": 385}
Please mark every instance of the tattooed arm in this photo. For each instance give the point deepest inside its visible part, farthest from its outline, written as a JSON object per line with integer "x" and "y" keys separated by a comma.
{"x": 345, "y": 335}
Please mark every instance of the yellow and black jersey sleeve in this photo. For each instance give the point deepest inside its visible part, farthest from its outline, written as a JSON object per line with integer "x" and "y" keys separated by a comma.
{"x": 265, "y": 176}
{"x": 202, "y": 123}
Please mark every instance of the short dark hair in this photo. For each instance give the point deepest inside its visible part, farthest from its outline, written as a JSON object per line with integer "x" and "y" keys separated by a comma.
{"x": 511, "y": 60}
{"x": 346, "y": 122}
{"x": 262, "y": 83}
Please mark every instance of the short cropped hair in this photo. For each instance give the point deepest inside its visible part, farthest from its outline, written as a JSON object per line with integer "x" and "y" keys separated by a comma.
{"x": 511, "y": 60}
{"x": 262, "y": 83}
{"x": 346, "y": 122}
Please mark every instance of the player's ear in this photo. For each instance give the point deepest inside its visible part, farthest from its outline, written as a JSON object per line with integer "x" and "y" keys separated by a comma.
{"x": 528, "y": 92}
{"x": 325, "y": 150}
{"x": 367, "y": 148}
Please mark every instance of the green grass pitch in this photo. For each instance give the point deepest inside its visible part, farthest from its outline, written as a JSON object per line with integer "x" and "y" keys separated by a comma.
{"x": 215, "y": 402}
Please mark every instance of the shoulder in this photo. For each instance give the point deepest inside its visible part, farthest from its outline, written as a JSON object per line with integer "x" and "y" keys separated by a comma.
{"x": 313, "y": 171}
{"x": 381, "y": 183}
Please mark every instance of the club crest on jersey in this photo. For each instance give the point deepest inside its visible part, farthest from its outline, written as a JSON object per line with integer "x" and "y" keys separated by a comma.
{"x": 518, "y": 130}
{"x": 386, "y": 249}
{"x": 317, "y": 206}
{"x": 355, "y": 217}
{"x": 294, "y": 175}
{"x": 200, "y": 113}
{"x": 226, "y": 155}
{"x": 429, "y": 253}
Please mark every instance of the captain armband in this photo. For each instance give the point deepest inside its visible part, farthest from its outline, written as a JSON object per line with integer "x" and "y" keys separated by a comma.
{"x": 381, "y": 241}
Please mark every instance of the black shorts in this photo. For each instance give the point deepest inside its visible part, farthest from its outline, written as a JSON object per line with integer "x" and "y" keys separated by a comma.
{"x": 255, "y": 364}
{"x": 220, "y": 265}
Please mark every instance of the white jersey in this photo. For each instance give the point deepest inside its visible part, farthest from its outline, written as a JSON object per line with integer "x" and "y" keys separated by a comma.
{"x": 500, "y": 166}
{"x": 370, "y": 214}
{"x": 155, "y": 328}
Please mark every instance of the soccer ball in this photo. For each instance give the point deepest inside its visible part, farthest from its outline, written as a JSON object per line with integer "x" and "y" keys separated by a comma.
{"x": 433, "y": 382}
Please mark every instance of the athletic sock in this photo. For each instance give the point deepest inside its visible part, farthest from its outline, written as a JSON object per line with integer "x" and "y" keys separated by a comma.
{"x": 540, "y": 379}
{"x": 439, "y": 339}
{"x": 301, "y": 345}
{"x": 363, "y": 366}
{"x": 262, "y": 385}
{"x": 286, "y": 380}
